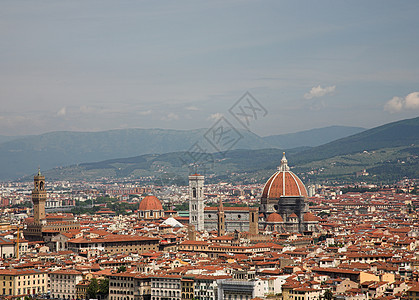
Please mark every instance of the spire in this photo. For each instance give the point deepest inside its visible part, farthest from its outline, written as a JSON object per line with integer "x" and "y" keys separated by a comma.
{"x": 221, "y": 207}
{"x": 284, "y": 164}
{"x": 39, "y": 171}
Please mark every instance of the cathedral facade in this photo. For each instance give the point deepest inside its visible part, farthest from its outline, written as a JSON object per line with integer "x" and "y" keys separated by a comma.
{"x": 283, "y": 207}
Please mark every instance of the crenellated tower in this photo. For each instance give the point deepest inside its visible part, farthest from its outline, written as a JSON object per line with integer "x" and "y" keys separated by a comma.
{"x": 39, "y": 198}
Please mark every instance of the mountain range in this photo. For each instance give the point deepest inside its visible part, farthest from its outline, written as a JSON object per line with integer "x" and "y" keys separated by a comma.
{"x": 22, "y": 155}
{"x": 388, "y": 153}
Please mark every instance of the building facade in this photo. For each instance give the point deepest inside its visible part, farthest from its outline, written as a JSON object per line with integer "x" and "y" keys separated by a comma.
{"x": 166, "y": 288}
{"x": 282, "y": 208}
{"x": 23, "y": 282}
{"x": 64, "y": 283}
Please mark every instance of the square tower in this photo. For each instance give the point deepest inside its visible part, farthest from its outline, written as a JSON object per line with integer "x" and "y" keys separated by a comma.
{"x": 196, "y": 201}
{"x": 39, "y": 197}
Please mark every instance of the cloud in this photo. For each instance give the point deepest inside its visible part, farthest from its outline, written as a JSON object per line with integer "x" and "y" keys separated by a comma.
{"x": 412, "y": 101}
{"x": 318, "y": 91}
{"x": 215, "y": 117}
{"x": 172, "y": 117}
{"x": 62, "y": 112}
{"x": 87, "y": 109}
{"x": 394, "y": 105}
{"x": 192, "y": 108}
{"x": 145, "y": 113}
{"x": 397, "y": 104}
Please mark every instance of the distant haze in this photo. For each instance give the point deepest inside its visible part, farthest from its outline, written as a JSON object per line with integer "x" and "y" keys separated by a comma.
{"x": 23, "y": 155}
{"x": 102, "y": 65}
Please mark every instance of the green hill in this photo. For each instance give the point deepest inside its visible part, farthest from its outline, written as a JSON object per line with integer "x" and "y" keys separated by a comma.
{"x": 20, "y": 156}
{"x": 313, "y": 137}
{"x": 387, "y": 152}
{"x": 391, "y": 135}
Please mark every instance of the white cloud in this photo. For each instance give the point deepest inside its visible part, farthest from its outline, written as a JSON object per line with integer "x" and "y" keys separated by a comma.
{"x": 145, "y": 113}
{"x": 62, "y": 112}
{"x": 192, "y": 108}
{"x": 172, "y": 117}
{"x": 412, "y": 101}
{"x": 215, "y": 117}
{"x": 318, "y": 91}
{"x": 394, "y": 105}
{"x": 397, "y": 104}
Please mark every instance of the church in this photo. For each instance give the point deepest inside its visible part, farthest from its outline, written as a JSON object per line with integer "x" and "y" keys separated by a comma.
{"x": 282, "y": 207}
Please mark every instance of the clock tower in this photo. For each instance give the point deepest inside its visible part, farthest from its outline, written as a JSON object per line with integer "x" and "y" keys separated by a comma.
{"x": 39, "y": 198}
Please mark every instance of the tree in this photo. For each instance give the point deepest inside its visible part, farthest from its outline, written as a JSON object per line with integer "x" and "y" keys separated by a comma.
{"x": 328, "y": 295}
{"x": 104, "y": 288}
{"x": 121, "y": 269}
{"x": 92, "y": 289}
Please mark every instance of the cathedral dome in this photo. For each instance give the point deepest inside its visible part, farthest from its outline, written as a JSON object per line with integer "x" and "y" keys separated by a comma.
{"x": 274, "y": 218}
{"x": 150, "y": 203}
{"x": 284, "y": 183}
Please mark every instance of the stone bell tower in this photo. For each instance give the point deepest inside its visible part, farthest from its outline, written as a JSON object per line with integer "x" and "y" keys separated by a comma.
{"x": 196, "y": 201}
{"x": 39, "y": 197}
{"x": 221, "y": 219}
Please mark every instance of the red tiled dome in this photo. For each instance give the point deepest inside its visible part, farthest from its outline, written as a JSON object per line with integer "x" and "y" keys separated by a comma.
{"x": 284, "y": 183}
{"x": 274, "y": 218}
{"x": 150, "y": 203}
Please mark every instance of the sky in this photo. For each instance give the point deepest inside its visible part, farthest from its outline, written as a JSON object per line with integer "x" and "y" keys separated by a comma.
{"x": 101, "y": 65}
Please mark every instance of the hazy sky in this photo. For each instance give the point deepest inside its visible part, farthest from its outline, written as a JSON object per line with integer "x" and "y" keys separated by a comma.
{"x": 98, "y": 65}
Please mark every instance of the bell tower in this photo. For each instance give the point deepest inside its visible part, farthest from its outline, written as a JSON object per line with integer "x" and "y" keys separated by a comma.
{"x": 253, "y": 221}
{"x": 39, "y": 197}
{"x": 221, "y": 220}
{"x": 196, "y": 201}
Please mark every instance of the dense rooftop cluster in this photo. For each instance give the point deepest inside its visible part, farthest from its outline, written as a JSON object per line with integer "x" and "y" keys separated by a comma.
{"x": 366, "y": 249}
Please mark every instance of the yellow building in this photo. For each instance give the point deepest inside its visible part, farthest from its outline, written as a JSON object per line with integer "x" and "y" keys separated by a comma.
{"x": 23, "y": 282}
{"x": 187, "y": 286}
{"x": 81, "y": 289}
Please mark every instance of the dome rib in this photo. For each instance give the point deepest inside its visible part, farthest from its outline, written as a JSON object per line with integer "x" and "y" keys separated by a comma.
{"x": 284, "y": 183}
{"x": 150, "y": 203}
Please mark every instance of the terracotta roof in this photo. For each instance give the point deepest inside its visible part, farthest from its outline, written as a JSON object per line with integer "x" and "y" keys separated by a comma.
{"x": 284, "y": 183}
{"x": 66, "y": 272}
{"x": 274, "y": 218}
{"x": 150, "y": 203}
{"x": 309, "y": 217}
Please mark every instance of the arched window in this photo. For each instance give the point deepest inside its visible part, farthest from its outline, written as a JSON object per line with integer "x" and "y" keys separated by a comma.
{"x": 194, "y": 192}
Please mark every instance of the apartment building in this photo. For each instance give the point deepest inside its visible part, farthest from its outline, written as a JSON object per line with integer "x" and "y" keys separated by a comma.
{"x": 64, "y": 283}
{"x": 23, "y": 282}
